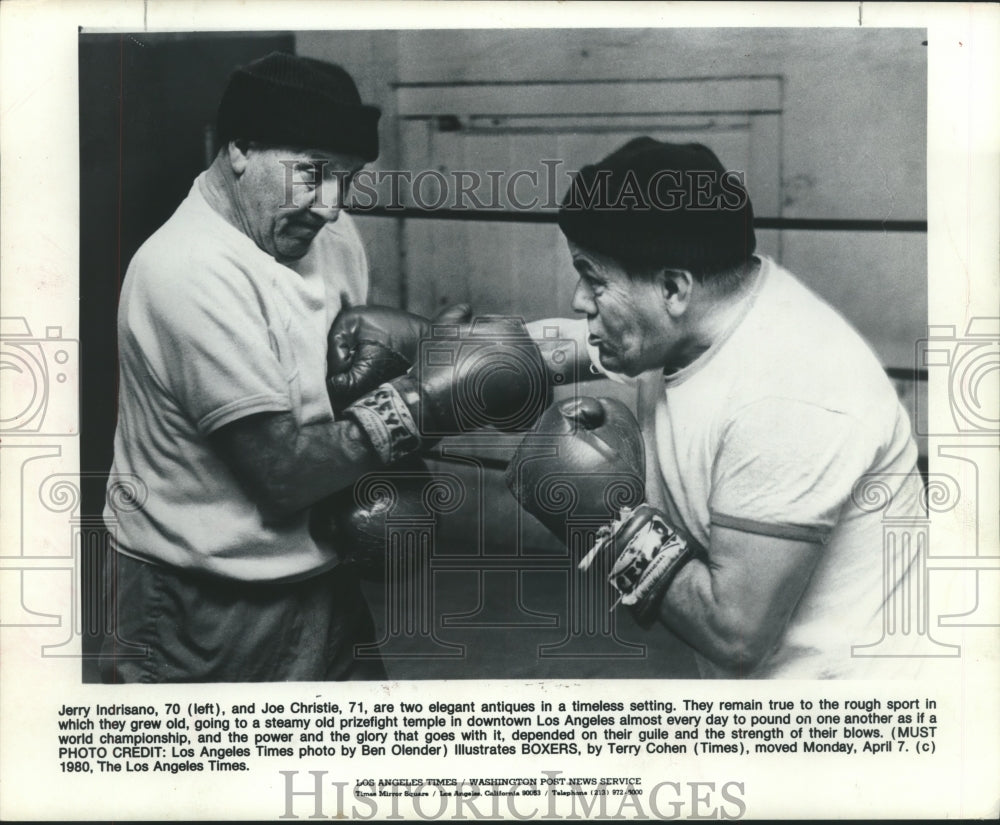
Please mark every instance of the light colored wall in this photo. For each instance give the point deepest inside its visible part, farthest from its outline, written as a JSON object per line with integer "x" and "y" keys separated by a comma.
{"x": 853, "y": 143}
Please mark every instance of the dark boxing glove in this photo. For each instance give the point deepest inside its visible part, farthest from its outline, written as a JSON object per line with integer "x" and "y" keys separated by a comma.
{"x": 599, "y": 462}
{"x": 489, "y": 373}
{"x": 356, "y": 520}
{"x": 600, "y": 455}
{"x": 369, "y": 345}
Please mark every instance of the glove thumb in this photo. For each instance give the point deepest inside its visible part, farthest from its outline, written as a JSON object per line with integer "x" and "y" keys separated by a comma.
{"x": 342, "y": 345}
{"x": 454, "y": 314}
{"x": 585, "y": 412}
{"x": 608, "y": 426}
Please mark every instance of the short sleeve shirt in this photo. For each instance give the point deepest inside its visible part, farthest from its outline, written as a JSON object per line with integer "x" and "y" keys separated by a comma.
{"x": 769, "y": 432}
{"x": 212, "y": 329}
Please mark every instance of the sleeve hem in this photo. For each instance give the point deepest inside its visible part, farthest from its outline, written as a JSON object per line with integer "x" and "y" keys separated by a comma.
{"x": 242, "y": 408}
{"x": 793, "y": 532}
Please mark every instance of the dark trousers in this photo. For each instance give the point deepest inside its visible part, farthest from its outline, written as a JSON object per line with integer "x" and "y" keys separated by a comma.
{"x": 177, "y": 626}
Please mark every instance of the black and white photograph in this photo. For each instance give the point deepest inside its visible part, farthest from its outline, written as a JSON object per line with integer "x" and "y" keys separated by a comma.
{"x": 573, "y": 416}
{"x": 673, "y": 289}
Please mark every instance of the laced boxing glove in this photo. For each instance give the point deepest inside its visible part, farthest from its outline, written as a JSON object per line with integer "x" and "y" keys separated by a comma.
{"x": 488, "y": 373}
{"x": 366, "y": 346}
{"x": 369, "y": 345}
{"x": 600, "y": 450}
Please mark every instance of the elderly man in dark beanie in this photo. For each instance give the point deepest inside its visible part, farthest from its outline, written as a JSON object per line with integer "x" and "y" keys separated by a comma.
{"x": 760, "y": 411}
{"x": 224, "y": 414}
{"x": 223, "y": 410}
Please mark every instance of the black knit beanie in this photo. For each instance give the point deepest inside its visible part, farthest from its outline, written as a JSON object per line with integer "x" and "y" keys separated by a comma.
{"x": 653, "y": 203}
{"x": 285, "y": 100}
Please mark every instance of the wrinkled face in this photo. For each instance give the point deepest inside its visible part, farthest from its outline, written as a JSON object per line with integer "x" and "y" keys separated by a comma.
{"x": 285, "y": 196}
{"x": 626, "y": 317}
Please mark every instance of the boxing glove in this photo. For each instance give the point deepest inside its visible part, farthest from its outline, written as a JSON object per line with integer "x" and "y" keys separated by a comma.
{"x": 356, "y": 520}
{"x": 486, "y": 374}
{"x": 585, "y": 460}
{"x": 368, "y": 345}
{"x": 597, "y": 472}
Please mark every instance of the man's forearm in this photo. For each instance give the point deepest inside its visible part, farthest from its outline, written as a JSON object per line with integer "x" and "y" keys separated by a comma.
{"x": 324, "y": 458}
{"x": 733, "y": 606}
{"x": 286, "y": 467}
{"x": 693, "y": 610}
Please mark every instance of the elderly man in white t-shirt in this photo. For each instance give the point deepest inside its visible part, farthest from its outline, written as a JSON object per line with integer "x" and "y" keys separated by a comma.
{"x": 759, "y": 410}
{"x": 223, "y": 411}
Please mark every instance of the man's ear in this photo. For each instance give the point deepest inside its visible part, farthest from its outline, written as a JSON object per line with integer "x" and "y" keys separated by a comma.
{"x": 238, "y": 151}
{"x": 676, "y": 287}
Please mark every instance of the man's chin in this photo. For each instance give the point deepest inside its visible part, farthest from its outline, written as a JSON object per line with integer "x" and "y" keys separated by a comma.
{"x": 611, "y": 362}
{"x": 292, "y": 250}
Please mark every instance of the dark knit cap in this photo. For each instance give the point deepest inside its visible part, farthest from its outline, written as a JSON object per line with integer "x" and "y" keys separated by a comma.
{"x": 652, "y": 203}
{"x": 285, "y": 100}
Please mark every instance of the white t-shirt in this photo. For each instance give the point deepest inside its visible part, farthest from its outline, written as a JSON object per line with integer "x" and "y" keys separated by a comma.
{"x": 212, "y": 329}
{"x": 768, "y": 432}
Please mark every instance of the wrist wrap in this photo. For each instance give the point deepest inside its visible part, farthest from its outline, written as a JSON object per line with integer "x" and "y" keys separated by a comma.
{"x": 646, "y": 554}
{"x": 385, "y": 417}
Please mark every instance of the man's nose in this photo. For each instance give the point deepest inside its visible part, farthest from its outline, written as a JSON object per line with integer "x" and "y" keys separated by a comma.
{"x": 329, "y": 212}
{"x": 583, "y": 299}
{"x": 326, "y": 202}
